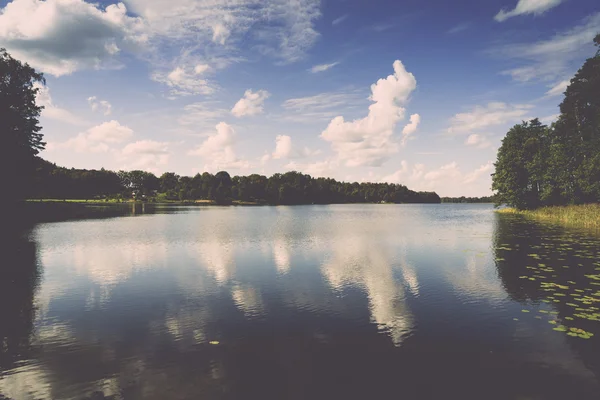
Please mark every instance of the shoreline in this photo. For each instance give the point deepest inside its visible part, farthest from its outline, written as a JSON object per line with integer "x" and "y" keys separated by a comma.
{"x": 582, "y": 216}
{"x": 34, "y": 211}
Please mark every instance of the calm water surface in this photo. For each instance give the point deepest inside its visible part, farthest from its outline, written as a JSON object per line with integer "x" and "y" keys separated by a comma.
{"x": 306, "y": 302}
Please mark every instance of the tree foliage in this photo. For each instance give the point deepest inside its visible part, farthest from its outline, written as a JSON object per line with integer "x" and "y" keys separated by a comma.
{"x": 463, "y": 199}
{"x": 289, "y": 188}
{"x": 20, "y": 137}
{"x": 539, "y": 165}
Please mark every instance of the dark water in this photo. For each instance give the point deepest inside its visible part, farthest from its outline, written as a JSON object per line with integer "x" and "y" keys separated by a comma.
{"x": 314, "y": 302}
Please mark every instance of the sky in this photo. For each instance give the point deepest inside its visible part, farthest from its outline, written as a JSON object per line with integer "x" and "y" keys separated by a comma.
{"x": 412, "y": 92}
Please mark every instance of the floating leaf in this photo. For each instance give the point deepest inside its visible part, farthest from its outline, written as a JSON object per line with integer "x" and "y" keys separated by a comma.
{"x": 560, "y": 328}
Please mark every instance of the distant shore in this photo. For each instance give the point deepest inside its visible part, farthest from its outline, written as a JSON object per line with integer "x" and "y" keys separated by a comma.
{"x": 586, "y": 216}
{"x": 113, "y": 202}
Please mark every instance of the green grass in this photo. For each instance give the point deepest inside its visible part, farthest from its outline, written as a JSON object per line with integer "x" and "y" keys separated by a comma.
{"x": 587, "y": 216}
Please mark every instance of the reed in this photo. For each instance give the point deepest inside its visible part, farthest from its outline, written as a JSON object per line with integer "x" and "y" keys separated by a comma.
{"x": 586, "y": 215}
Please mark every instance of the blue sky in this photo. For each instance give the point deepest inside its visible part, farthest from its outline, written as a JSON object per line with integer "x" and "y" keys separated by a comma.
{"x": 411, "y": 92}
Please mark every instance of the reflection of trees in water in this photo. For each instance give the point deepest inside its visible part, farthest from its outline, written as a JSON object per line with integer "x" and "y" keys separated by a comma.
{"x": 547, "y": 265}
{"x": 19, "y": 277}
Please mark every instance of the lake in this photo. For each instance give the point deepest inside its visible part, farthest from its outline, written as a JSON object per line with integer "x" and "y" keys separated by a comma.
{"x": 449, "y": 301}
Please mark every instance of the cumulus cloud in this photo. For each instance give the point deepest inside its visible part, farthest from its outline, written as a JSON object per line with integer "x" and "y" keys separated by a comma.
{"x": 446, "y": 180}
{"x": 558, "y": 88}
{"x": 483, "y": 117}
{"x": 284, "y": 149}
{"x": 323, "y": 67}
{"x": 370, "y": 140}
{"x": 218, "y": 150}
{"x": 146, "y": 155}
{"x": 51, "y": 110}
{"x": 411, "y": 127}
{"x": 325, "y": 168}
{"x": 553, "y": 58}
{"x": 251, "y": 104}
{"x": 473, "y": 176}
{"x": 62, "y": 36}
{"x": 101, "y": 105}
{"x": 97, "y": 139}
{"x": 535, "y": 7}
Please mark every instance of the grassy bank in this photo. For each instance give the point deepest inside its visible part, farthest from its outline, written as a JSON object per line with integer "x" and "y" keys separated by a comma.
{"x": 587, "y": 216}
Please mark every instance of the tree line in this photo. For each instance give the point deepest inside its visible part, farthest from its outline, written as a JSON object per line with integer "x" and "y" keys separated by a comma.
{"x": 21, "y": 141}
{"x": 293, "y": 187}
{"x": 463, "y": 199}
{"x": 539, "y": 165}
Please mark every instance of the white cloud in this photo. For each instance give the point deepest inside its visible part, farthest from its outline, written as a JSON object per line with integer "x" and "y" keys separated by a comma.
{"x": 62, "y": 36}
{"x": 339, "y": 20}
{"x": 201, "y": 68}
{"x": 484, "y": 117}
{"x": 186, "y": 80}
{"x": 411, "y": 127}
{"x": 51, "y": 110}
{"x": 370, "y": 140}
{"x": 478, "y": 173}
{"x": 446, "y": 180}
{"x": 323, "y": 67}
{"x": 96, "y": 139}
{"x": 535, "y": 7}
{"x": 282, "y": 29}
{"x": 102, "y": 105}
{"x": 446, "y": 172}
{"x": 265, "y": 159}
{"x": 552, "y": 58}
{"x": 146, "y": 155}
{"x": 317, "y": 169}
{"x": 399, "y": 175}
{"x": 79, "y": 144}
{"x": 558, "y": 89}
{"x": 323, "y": 106}
{"x": 199, "y": 113}
{"x": 316, "y": 102}
{"x": 284, "y": 149}
{"x": 250, "y": 104}
{"x": 477, "y": 141}
{"x": 218, "y": 150}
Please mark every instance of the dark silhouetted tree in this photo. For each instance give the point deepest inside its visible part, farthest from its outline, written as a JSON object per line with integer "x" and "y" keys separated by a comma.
{"x": 20, "y": 137}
